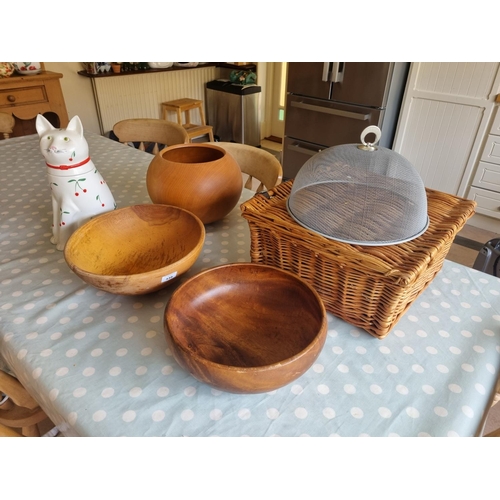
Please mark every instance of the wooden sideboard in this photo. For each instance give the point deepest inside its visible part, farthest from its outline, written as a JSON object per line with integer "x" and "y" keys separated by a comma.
{"x": 25, "y": 96}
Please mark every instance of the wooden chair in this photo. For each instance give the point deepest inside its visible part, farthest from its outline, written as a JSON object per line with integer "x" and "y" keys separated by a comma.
{"x": 256, "y": 163}
{"x": 7, "y": 123}
{"x": 153, "y": 130}
{"x": 186, "y": 105}
{"x": 19, "y": 411}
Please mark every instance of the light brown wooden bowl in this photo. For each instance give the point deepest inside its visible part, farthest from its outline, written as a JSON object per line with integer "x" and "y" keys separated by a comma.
{"x": 245, "y": 328}
{"x": 137, "y": 249}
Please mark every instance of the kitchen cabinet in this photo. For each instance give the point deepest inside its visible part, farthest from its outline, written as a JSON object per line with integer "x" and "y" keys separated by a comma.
{"x": 445, "y": 117}
{"x": 26, "y": 96}
{"x": 485, "y": 189}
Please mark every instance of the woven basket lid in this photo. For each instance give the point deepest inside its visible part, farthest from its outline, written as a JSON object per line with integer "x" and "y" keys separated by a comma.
{"x": 360, "y": 194}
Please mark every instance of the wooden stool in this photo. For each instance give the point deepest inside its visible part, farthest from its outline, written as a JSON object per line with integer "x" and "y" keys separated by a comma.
{"x": 185, "y": 105}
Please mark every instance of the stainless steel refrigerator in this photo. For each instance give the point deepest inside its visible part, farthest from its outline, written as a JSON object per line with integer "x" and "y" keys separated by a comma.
{"x": 331, "y": 103}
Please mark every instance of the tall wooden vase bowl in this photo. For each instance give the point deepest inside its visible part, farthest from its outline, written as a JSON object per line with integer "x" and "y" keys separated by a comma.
{"x": 201, "y": 178}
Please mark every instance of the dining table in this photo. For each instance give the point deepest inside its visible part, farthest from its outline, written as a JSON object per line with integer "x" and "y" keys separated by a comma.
{"x": 100, "y": 366}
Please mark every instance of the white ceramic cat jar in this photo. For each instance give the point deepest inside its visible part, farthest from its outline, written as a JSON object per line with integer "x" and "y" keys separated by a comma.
{"x": 78, "y": 190}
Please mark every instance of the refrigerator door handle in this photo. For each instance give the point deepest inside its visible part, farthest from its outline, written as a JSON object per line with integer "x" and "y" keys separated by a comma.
{"x": 326, "y": 72}
{"x": 309, "y": 152}
{"x": 337, "y": 72}
{"x": 331, "y": 111}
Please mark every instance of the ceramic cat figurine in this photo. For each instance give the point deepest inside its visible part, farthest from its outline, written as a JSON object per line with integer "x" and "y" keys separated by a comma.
{"x": 78, "y": 190}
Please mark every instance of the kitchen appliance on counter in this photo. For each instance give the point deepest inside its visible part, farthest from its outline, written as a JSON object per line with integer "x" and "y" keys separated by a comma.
{"x": 331, "y": 103}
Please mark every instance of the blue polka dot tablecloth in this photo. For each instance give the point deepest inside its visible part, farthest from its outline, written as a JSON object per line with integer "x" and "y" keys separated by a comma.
{"x": 99, "y": 364}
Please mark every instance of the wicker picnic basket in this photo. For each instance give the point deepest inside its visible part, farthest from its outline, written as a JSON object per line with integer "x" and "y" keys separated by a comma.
{"x": 368, "y": 286}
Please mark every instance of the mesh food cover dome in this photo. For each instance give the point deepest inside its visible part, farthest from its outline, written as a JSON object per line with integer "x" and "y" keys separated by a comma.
{"x": 360, "y": 194}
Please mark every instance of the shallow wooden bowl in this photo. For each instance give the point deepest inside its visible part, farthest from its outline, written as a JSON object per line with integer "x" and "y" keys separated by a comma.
{"x": 245, "y": 328}
{"x": 137, "y": 249}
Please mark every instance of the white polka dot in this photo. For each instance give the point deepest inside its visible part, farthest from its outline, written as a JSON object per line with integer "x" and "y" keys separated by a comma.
{"x": 190, "y": 391}
{"x": 360, "y": 349}
{"x": 489, "y": 333}
{"x": 141, "y": 370}
{"x": 408, "y": 350}
{"x": 392, "y": 369}
{"x": 431, "y": 350}
{"x": 428, "y": 389}
{"x": 444, "y": 333}
{"x": 167, "y": 370}
{"x": 442, "y": 368}
{"x": 116, "y": 370}
{"x": 72, "y": 418}
{"x": 146, "y": 351}
{"x": 490, "y": 368}
{"x": 480, "y": 388}
{"x": 402, "y": 389}
{"x": 88, "y": 372}
{"x": 479, "y": 349}
{"x": 384, "y": 412}
{"x": 455, "y": 350}
{"x": 417, "y": 368}
{"x": 329, "y": 413}
{"x": 368, "y": 368}
{"x": 468, "y": 411}
{"x": 244, "y": 414}
{"x": 384, "y": 350}
{"x": 36, "y": 373}
{"x": 337, "y": 349}
{"x": 323, "y": 389}
{"x": 99, "y": 416}
{"x": 96, "y": 353}
{"x": 162, "y": 392}
{"x": 296, "y": 389}
{"x": 158, "y": 415}
{"x": 421, "y": 333}
{"x": 129, "y": 416}
{"x": 272, "y": 413}
{"x": 108, "y": 392}
{"x": 355, "y": 333}
{"x": 79, "y": 335}
{"x": 318, "y": 368}
{"x": 121, "y": 352}
{"x": 440, "y": 411}
{"x": 357, "y": 412}
{"x": 455, "y": 388}
{"x": 375, "y": 389}
{"x": 453, "y": 434}
{"x": 399, "y": 333}
{"x": 71, "y": 353}
{"x": 135, "y": 392}
{"x": 349, "y": 389}
{"x": 423, "y": 434}
{"x": 53, "y": 394}
{"x": 434, "y": 319}
{"x": 455, "y": 319}
{"x": 467, "y": 368}
{"x": 78, "y": 393}
{"x": 412, "y": 412}
{"x": 22, "y": 353}
{"x": 60, "y": 372}
{"x": 343, "y": 368}
{"x": 300, "y": 413}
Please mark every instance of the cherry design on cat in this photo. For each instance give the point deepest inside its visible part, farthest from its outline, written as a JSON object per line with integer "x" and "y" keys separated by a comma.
{"x": 78, "y": 190}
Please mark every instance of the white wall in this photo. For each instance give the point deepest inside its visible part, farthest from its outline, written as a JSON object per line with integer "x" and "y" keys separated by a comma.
{"x": 77, "y": 92}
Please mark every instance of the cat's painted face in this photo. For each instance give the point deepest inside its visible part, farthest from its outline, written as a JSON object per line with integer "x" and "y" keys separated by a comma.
{"x": 62, "y": 146}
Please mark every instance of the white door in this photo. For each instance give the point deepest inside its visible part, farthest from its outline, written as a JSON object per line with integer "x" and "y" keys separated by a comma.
{"x": 444, "y": 117}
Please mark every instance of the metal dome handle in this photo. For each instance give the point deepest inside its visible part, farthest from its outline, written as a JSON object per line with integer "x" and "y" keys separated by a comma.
{"x": 370, "y": 146}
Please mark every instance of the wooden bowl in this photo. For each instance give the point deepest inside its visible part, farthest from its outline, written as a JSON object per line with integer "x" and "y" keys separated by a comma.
{"x": 200, "y": 177}
{"x": 245, "y": 328}
{"x": 137, "y": 249}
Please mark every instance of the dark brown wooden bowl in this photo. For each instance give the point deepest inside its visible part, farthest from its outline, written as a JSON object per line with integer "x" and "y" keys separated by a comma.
{"x": 137, "y": 249}
{"x": 245, "y": 328}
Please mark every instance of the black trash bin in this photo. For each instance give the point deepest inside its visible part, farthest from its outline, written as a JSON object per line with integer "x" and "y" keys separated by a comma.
{"x": 234, "y": 111}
